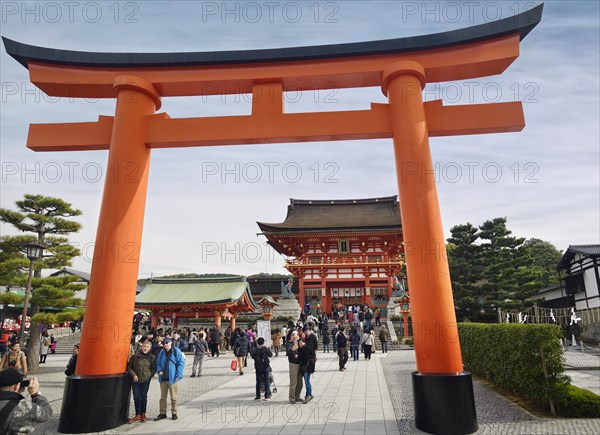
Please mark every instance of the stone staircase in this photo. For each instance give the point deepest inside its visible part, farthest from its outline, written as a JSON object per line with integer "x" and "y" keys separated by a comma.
{"x": 65, "y": 339}
{"x": 392, "y": 344}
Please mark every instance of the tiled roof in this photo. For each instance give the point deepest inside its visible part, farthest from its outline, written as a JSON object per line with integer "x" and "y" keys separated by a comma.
{"x": 585, "y": 250}
{"x": 591, "y": 250}
{"x": 193, "y": 290}
{"x": 371, "y": 213}
{"x": 262, "y": 286}
{"x": 550, "y": 288}
{"x": 83, "y": 275}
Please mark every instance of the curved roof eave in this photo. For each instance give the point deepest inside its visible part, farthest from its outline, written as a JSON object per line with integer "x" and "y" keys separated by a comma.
{"x": 522, "y": 24}
{"x": 281, "y": 229}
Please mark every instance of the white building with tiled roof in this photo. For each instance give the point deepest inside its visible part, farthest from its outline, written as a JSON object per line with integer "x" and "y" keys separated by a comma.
{"x": 580, "y": 270}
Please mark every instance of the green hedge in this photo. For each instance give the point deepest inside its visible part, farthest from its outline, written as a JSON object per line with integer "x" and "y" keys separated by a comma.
{"x": 510, "y": 356}
{"x": 577, "y": 402}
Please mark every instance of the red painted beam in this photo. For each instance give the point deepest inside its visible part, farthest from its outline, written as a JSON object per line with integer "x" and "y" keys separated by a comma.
{"x": 163, "y": 132}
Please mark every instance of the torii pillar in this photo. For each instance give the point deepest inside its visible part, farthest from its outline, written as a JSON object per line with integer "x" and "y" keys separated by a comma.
{"x": 442, "y": 391}
{"x": 111, "y": 298}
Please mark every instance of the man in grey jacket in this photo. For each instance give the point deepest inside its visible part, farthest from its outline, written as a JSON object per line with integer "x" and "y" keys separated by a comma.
{"x": 18, "y": 415}
{"x": 200, "y": 349}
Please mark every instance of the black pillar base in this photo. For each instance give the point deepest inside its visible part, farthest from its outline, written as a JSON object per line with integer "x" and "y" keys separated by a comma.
{"x": 444, "y": 403}
{"x": 95, "y": 403}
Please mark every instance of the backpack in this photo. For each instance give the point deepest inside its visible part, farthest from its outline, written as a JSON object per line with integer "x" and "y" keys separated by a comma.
{"x": 262, "y": 360}
{"x": 312, "y": 341}
{"x": 8, "y": 408}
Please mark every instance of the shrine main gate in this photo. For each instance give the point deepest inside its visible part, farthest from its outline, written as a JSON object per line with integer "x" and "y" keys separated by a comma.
{"x": 97, "y": 397}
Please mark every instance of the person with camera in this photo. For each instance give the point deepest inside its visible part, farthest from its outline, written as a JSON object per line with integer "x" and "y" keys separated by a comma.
{"x": 15, "y": 358}
{"x": 18, "y": 415}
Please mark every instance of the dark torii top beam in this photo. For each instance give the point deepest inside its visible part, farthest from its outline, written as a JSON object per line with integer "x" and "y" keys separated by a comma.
{"x": 521, "y": 24}
{"x": 477, "y": 51}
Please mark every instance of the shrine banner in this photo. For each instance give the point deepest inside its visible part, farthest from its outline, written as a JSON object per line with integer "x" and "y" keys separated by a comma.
{"x": 264, "y": 331}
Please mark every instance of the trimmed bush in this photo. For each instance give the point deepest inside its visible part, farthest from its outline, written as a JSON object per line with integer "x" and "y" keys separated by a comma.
{"x": 577, "y": 402}
{"x": 513, "y": 356}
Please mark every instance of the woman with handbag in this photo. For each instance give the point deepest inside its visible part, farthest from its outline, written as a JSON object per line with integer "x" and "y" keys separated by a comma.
{"x": 240, "y": 349}
{"x": 44, "y": 346}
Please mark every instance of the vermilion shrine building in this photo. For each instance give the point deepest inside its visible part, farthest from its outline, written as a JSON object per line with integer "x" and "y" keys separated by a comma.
{"x": 188, "y": 298}
{"x": 341, "y": 250}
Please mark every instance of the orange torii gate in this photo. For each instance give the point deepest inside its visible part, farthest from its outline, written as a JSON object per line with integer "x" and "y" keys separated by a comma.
{"x": 97, "y": 397}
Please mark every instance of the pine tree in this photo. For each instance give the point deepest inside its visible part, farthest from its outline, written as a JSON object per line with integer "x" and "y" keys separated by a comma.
{"x": 546, "y": 257}
{"x": 509, "y": 270}
{"x": 47, "y": 220}
{"x": 490, "y": 268}
{"x": 464, "y": 258}
{"x": 58, "y": 293}
{"x": 12, "y": 261}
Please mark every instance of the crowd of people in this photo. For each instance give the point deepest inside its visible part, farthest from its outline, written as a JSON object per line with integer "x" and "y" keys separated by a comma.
{"x": 13, "y": 356}
{"x": 47, "y": 343}
{"x": 161, "y": 352}
{"x": 156, "y": 351}
{"x": 359, "y": 316}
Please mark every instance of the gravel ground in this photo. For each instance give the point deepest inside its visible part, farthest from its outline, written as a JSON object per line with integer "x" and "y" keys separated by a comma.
{"x": 496, "y": 414}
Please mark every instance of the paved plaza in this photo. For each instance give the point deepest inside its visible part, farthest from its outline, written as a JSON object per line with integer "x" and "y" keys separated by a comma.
{"x": 373, "y": 397}
{"x": 583, "y": 369}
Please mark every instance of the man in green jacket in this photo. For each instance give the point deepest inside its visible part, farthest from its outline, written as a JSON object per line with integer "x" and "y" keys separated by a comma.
{"x": 141, "y": 367}
{"x": 384, "y": 337}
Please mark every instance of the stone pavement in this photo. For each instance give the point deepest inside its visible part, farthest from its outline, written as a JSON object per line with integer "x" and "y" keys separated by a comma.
{"x": 216, "y": 372}
{"x": 356, "y": 401}
{"x": 575, "y": 359}
{"x": 583, "y": 369}
{"x": 373, "y": 397}
{"x": 587, "y": 379}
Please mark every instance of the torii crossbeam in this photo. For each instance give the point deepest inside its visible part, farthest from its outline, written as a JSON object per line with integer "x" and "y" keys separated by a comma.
{"x": 443, "y": 392}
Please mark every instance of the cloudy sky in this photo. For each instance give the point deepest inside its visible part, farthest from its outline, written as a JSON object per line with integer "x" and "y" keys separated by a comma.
{"x": 203, "y": 203}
